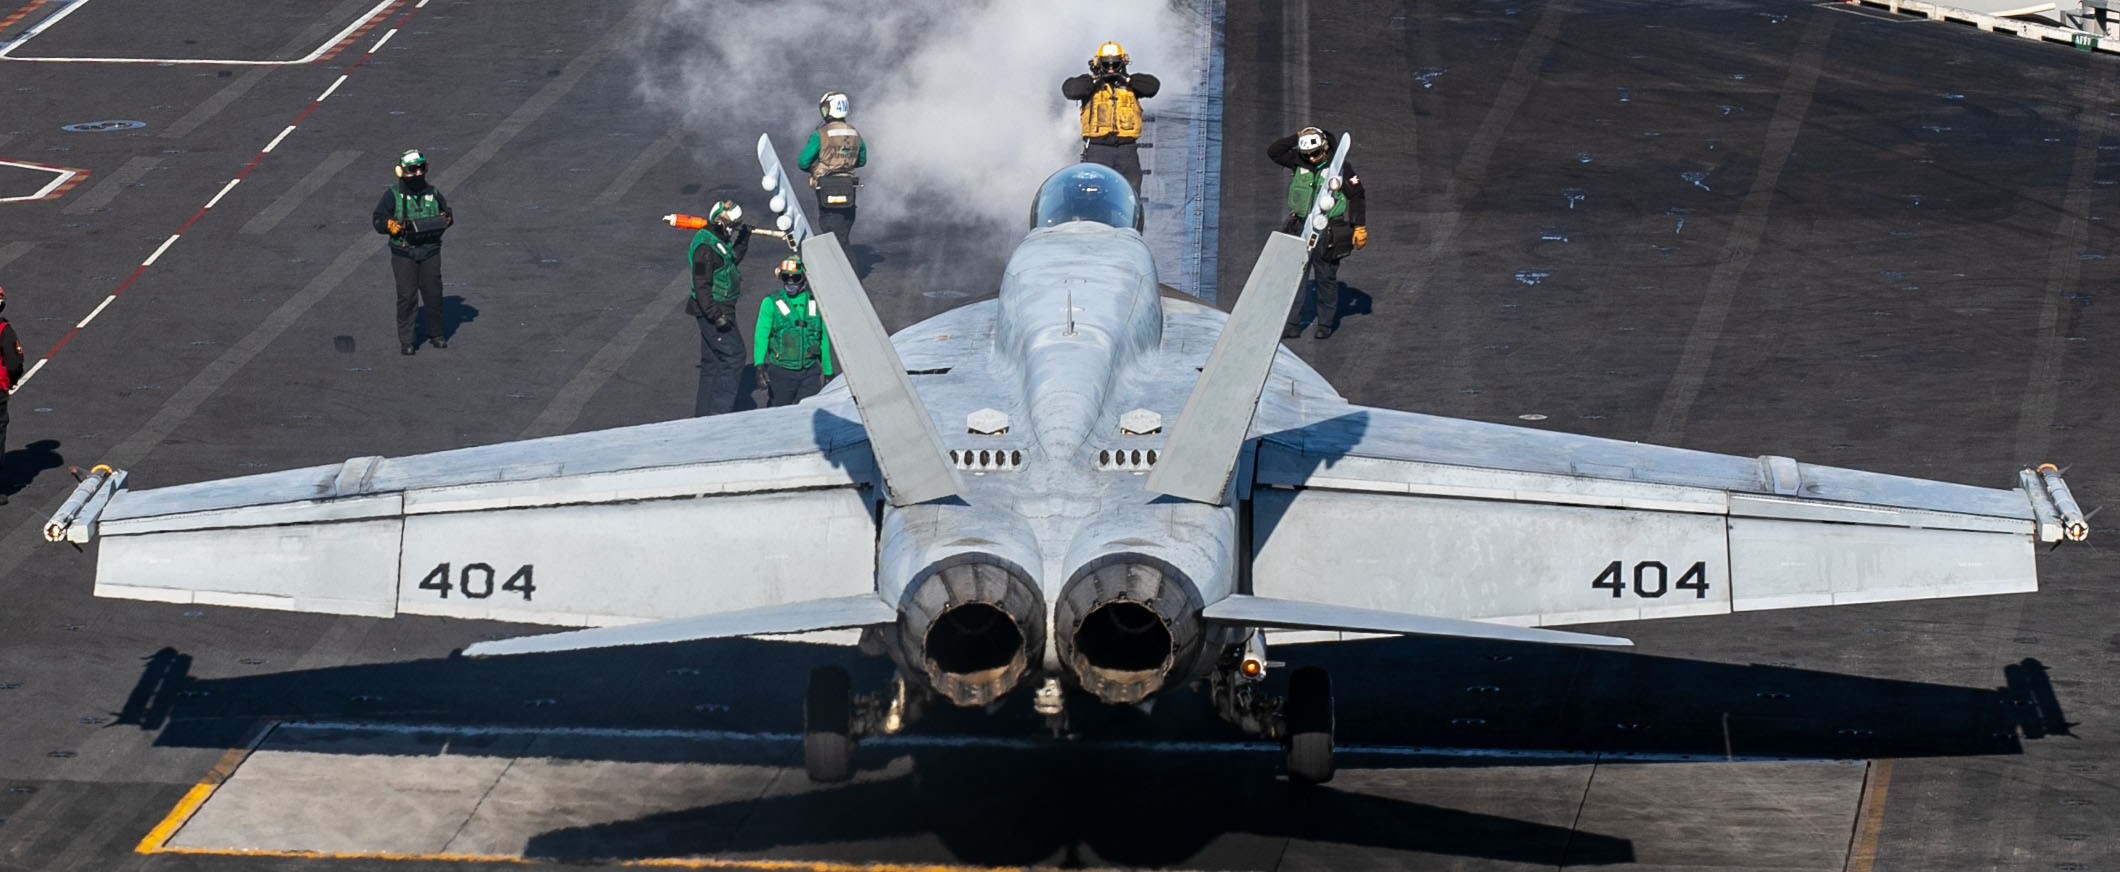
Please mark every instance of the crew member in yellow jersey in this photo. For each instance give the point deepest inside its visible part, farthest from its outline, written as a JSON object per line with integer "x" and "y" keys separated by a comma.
{"x": 1111, "y": 110}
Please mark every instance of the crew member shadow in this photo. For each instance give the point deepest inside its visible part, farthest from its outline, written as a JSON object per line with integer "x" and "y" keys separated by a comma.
{"x": 865, "y": 258}
{"x": 455, "y": 314}
{"x": 1354, "y": 302}
{"x": 21, "y": 466}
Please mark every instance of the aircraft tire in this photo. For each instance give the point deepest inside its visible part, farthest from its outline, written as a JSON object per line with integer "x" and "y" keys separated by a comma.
{"x": 1310, "y": 726}
{"x": 827, "y": 722}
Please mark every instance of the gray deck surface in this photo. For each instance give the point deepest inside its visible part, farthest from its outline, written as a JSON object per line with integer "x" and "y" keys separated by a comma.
{"x": 1843, "y": 237}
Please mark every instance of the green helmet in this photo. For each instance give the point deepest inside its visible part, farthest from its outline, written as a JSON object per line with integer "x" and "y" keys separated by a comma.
{"x": 412, "y": 161}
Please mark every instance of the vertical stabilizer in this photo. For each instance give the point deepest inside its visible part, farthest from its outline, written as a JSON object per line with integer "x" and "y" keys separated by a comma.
{"x": 1203, "y": 446}
{"x": 909, "y": 451}
{"x": 785, "y": 203}
{"x": 1202, "y": 452}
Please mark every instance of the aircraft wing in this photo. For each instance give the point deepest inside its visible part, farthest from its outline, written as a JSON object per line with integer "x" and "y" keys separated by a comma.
{"x": 1402, "y": 512}
{"x": 732, "y": 513}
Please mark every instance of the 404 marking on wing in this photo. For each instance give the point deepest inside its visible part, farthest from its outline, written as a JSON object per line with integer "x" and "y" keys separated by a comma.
{"x": 477, "y": 581}
{"x": 1652, "y": 579}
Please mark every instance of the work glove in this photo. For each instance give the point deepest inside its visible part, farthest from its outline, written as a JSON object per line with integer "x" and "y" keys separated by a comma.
{"x": 720, "y": 313}
{"x": 1361, "y": 237}
{"x": 765, "y": 383}
{"x": 393, "y": 226}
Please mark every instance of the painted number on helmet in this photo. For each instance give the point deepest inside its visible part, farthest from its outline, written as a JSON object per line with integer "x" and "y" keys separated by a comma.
{"x": 477, "y": 581}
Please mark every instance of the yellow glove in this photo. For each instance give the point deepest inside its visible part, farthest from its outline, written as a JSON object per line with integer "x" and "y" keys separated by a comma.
{"x": 393, "y": 226}
{"x": 1361, "y": 237}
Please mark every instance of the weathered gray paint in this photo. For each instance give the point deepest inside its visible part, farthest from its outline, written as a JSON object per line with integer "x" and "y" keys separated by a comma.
{"x": 1212, "y": 428}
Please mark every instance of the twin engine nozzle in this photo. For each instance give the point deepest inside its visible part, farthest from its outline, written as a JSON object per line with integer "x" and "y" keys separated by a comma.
{"x": 975, "y": 626}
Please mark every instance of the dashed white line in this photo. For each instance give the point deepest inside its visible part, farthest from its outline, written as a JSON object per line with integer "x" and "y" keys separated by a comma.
{"x": 7, "y": 49}
{"x": 150, "y": 261}
{"x": 327, "y": 91}
{"x": 224, "y": 191}
{"x": 99, "y": 308}
{"x": 25, "y": 376}
{"x": 276, "y": 140}
{"x": 386, "y": 38}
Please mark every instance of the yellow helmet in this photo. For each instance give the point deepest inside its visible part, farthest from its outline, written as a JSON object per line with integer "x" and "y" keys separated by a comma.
{"x": 1109, "y": 57}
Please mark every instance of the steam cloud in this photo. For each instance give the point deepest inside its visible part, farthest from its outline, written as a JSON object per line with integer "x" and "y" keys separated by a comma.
{"x": 960, "y": 103}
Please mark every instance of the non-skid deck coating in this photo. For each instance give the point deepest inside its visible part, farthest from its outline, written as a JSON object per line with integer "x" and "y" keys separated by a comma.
{"x": 1750, "y": 227}
{"x": 716, "y": 800}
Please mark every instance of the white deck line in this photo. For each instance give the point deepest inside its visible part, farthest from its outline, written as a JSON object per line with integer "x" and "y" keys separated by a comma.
{"x": 8, "y": 51}
{"x": 62, "y": 176}
{"x": 275, "y": 143}
{"x": 97, "y": 311}
{"x": 224, "y": 191}
{"x": 150, "y": 261}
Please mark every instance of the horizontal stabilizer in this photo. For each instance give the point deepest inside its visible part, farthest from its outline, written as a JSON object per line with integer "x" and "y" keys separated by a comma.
{"x": 839, "y": 613}
{"x": 1258, "y": 611}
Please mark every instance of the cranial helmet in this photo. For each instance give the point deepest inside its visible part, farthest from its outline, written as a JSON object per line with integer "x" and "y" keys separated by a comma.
{"x": 411, "y": 162}
{"x": 725, "y": 214}
{"x": 790, "y": 269}
{"x": 3, "y": 298}
{"x": 1310, "y": 141}
{"x": 833, "y": 106}
{"x": 1110, "y": 57}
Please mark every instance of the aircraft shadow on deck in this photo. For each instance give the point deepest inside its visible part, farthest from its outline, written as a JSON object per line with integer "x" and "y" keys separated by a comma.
{"x": 1072, "y": 805}
{"x": 1127, "y": 803}
{"x": 1446, "y": 694}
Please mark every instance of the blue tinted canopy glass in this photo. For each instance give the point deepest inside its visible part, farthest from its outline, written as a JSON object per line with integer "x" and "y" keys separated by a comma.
{"x": 1086, "y": 192}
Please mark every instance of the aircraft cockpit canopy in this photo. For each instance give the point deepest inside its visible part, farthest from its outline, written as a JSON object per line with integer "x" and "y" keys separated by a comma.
{"x": 1086, "y": 192}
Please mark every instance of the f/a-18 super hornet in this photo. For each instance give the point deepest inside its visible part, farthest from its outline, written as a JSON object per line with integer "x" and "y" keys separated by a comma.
{"x": 1081, "y": 490}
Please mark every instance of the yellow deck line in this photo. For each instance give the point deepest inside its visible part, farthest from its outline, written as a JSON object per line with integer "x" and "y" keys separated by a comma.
{"x": 1869, "y": 823}
{"x": 654, "y": 863}
{"x": 156, "y": 840}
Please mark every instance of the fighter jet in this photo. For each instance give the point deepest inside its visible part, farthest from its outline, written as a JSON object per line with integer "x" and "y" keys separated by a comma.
{"x": 1085, "y": 491}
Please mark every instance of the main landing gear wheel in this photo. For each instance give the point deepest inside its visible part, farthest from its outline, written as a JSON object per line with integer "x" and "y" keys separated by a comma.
{"x": 1309, "y": 726}
{"x": 827, "y": 726}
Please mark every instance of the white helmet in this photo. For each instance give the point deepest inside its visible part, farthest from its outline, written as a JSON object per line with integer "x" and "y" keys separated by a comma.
{"x": 833, "y": 106}
{"x": 1310, "y": 141}
{"x": 725, "y": 214}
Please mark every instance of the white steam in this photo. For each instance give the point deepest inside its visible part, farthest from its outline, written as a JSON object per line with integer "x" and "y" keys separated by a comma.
{"x": 959, "y": 102}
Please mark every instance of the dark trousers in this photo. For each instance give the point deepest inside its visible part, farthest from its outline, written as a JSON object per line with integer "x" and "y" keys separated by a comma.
{"x": 840, "y": 221}
{"x": 1325, "y": 273}
{"x": 786, "y": 387}
{"x": 1124, "y": 158}
{"x": 721, "y": 366}
{"x": 419, "y": 286}
{"x": 5, "y": 479}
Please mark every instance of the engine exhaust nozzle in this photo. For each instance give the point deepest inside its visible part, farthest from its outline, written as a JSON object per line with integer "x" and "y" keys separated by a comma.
{"x": 973, "y": 624}
{"x": 1127, "y": 623}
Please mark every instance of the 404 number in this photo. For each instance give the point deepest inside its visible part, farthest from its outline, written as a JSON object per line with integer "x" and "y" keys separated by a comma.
{"x": 478, "y": 581}
{"x": 1652, "y": 579}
